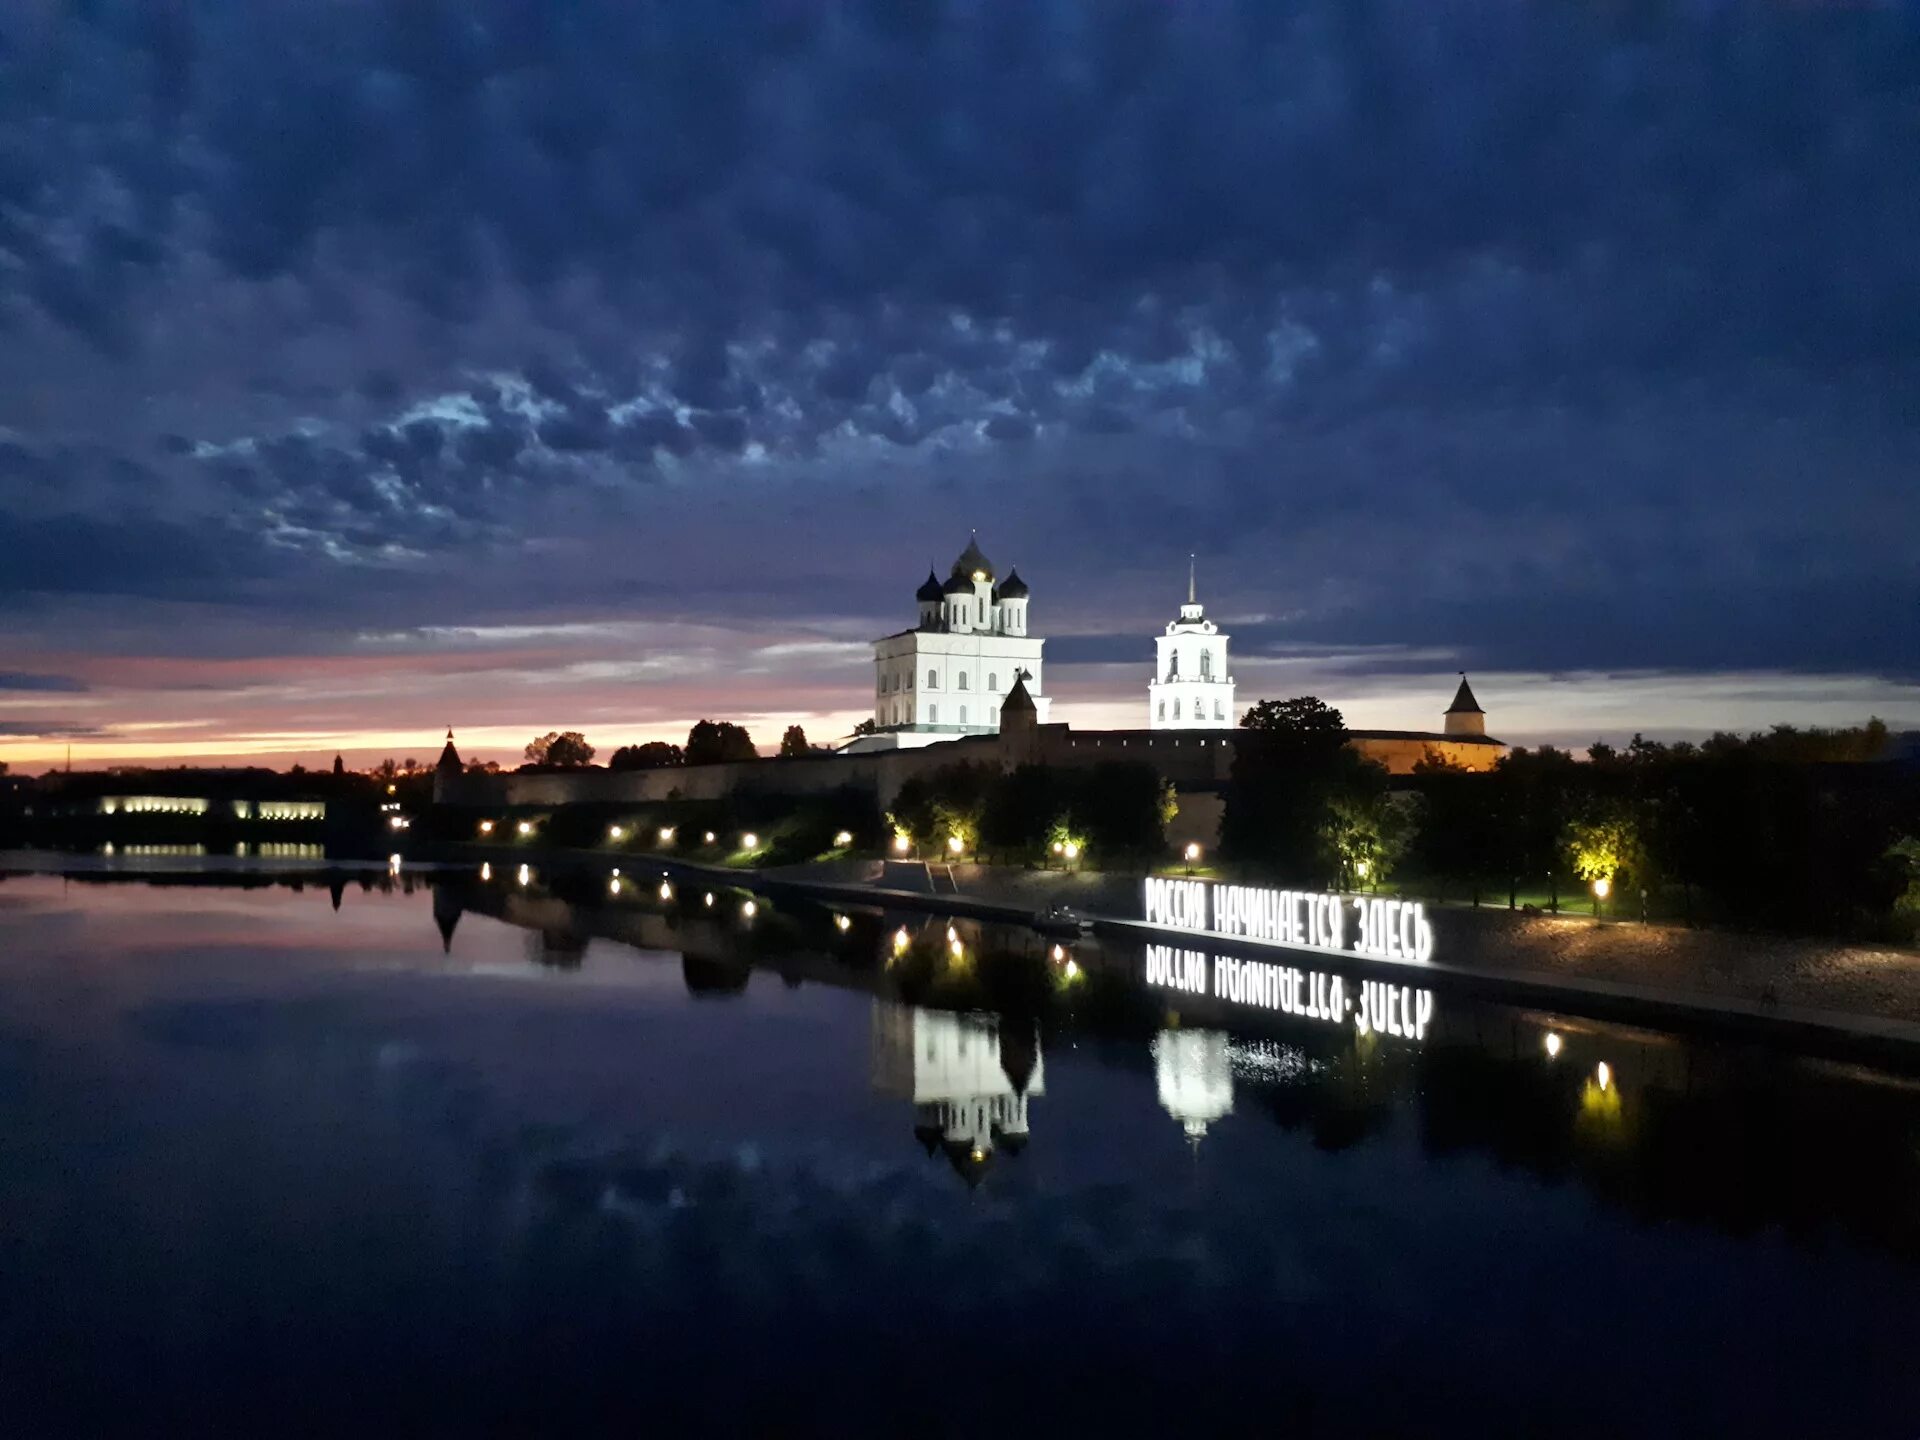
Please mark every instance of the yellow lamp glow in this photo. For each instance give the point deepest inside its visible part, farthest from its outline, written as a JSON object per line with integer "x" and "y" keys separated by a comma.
{"x": 525, "y": 875}
{"x": 1193, "y": 851}
{"x": 955, "y": 845}
{"x": 1553, "y": 1045}
{"x": 709, "y": 899}
{"x": 843, "y": 839}
{"x": 1073, "y": 970}
{"x": 525, "y": 827}
{"x": 666, "y": 834}
{"x": 749, "y": 909}
{"x": 613, "y": 886}
{"x": 1059, "y": 952}
{"x": 901, "y": 843}
{"x": 980, "y": 576}
{"x": 1070, "y": 851}
{"x": 709, "y": 837}
{"x": 1603, "y": 1075}
{"x": 486, "y": 870}
{"x": 614, "y": 832}
{"x": 842, "y": 923}
{"x": 1361, "y": 868}
{"x": 749, "y": 841}
{"x": 1602, "y": 888}
{"x": 393, "y": 862}
{"x": 901, "y": 939}
{"x": 486, "y": 827}
{"x": 666, "y": 891}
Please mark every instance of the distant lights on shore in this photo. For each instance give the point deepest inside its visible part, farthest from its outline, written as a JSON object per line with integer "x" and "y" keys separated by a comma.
{"x": 616, "y": 832}
{"x": 1059, "y": 952}
{"x": 710, "y": 837}
{"x": 613, "y": 885}
{"x": 525, "y": 827}
{"x": 393, "y": 863}
{"x": 750, "y": 841}
{"x": 842, "y": 923}
{"x": 666, "y": 890}
{"x": 749, "y": 909}
{"x": 525, "y": 875}
{"x": 486, "y": 827}
{"x": 666, "y": 834}
{"x": 709, "y": 899}
{"x": 1553, "y": 1045}
{"x": 901, "y": 940}
{"x": 486, "y": 870}
{"x": 843, "y": 839}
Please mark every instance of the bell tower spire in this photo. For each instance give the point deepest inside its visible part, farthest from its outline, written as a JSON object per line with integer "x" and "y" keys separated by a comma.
{"x": 1190, "y": 562}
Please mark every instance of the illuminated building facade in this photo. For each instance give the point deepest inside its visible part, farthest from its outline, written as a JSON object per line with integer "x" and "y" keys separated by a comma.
{"x": 1192, "y": 685}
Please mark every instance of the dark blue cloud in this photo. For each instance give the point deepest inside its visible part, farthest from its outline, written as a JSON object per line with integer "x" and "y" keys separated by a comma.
{"x": 1509, "y": 328}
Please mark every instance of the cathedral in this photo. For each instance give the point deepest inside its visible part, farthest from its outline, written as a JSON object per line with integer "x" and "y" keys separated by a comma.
{"x": 948, "y": 676}
{"x": 1192, "y": 685}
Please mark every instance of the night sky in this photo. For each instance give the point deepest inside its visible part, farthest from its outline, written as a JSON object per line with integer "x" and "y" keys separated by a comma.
{"x": 371, "y": 367}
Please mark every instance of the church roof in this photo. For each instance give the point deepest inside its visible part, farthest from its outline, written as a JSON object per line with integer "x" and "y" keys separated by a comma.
{"x": 958, "y": 585}
{"x": 971, "y": 560}
{"x": 1463, "y": 701}
{"x": 931, "y": 589}
{"x": 449, "y": 757}
{"x": 1018, "y": 698}
{"x": 1012, "y": 588}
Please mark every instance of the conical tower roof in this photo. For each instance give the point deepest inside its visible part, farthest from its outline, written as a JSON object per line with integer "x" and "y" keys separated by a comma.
{"x": 449, "y": 757}
{"x": 1018, "y": 699}
{"x": 1463, "y": 701}
{"x": 930, "y": 591}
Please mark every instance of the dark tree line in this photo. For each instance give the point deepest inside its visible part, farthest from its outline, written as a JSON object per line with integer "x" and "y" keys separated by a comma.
{"x": 1791, "y": 829}
{"x": 1110, "y": 813}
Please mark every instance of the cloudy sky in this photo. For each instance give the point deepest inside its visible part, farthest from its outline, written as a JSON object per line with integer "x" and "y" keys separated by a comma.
{"x": 368, "y": 368}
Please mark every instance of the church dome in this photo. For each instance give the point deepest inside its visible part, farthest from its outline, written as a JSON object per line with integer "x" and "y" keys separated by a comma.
{"x": 930, "y": 592}
{"x": 1012, "y": 588}
{"x": 972, "y": 562}
{"x": 958, "y": 585}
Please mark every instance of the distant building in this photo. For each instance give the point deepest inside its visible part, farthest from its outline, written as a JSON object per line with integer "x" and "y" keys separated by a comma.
{"x": 1462, "y": 741}
{"x": 947, "y": 676}
{"x": 1192, "y": 684}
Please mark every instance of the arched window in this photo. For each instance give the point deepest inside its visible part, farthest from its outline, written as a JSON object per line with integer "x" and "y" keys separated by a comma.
{"x": 963, "y": 680}
{"x": 1163, "y": 709}
{"x": 963, "y": 714}
{"x": 1173, "y": 666}
{"x": 1219, "y": 710}
{"x": 1176, "y": 709}
{"x": 933, "y": 679}
{"x": 908, "y": 677}
{"x": 1206, "y": 664}
{"x": 933, "y": 714}
{"x": 993, "y": 680}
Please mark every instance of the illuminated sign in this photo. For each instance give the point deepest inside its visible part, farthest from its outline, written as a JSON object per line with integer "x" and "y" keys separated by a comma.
{"x": 1381, "y": 929}
{"x": 1372, "y": 1006}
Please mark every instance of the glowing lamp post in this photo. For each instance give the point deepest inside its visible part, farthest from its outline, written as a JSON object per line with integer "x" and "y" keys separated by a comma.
{"x": 666, "y": 834}
{"x": 843, "y": 839}
{"x": 1192, "y": 854}
{"x": 486, "y": 827}
{"x": 616, "y": 833}
{"x": 750, "y": 841}
{"x": 524, "y": 828}
{"x": 1601, "y": 889}
{"x": 955, "y": 845}
{"x": 902, "y": 843}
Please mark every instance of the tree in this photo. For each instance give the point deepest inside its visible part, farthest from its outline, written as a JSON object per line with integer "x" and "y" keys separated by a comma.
{"x": 387, "y": 769}
{"x": 1603, "y": 841}
{"x": 567, "y": 748}
{"x": 1306, "y": 720}
{"x": 654, "y": 755}
{"x": 3, "y": 767}
{"x": 1289, "y": 769}
{"x": 793, "y": 743}
{"x": 714, "y": 742}
{"x": 866, "y": 727}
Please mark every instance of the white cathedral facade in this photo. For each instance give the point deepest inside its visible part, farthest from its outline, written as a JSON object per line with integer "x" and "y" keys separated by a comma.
{"x": 949, "y": 675}
{"x": 1192, "y": 685}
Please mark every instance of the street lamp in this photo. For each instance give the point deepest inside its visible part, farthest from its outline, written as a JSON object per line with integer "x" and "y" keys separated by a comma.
{"x": 525, "y": 827}
{"x": 842, "y": 839}
{"x": 1193, "y": 854}
{"x": 1601, "y": 889}
{"x": 614, "y": 832}
{"x": 955, "y": 845}
{"x": 901, "y": 843}
{"x": 666, "y": 834}
{"x": 1070, "y": 851}
{"x": 486, "y": 827}
{"x": 750, "y": 841}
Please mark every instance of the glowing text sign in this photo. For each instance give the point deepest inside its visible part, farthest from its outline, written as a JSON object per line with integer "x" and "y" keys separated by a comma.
{"x": 1299, "y": 919}
{"x": 1374, "y": 1007}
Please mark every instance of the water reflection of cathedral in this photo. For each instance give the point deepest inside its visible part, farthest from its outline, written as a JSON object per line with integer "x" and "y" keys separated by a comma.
{"x": 969, "y": 1078}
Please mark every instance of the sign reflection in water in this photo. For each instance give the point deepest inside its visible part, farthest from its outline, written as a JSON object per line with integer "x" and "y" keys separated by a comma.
{"x": 1372, "y": 1006}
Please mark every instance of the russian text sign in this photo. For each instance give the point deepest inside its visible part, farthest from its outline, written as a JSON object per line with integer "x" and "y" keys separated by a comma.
{"x": 1365, "y": 925}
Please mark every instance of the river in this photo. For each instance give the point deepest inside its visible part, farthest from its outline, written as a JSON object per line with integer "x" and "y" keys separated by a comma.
{"x": 444, "y": 1153}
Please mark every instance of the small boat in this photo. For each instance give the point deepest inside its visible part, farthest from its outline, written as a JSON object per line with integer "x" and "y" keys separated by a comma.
{"x": 1061, "y": 920}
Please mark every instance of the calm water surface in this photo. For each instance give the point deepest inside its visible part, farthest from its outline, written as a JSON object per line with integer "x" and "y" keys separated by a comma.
{"x": 479, "y": 1156}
